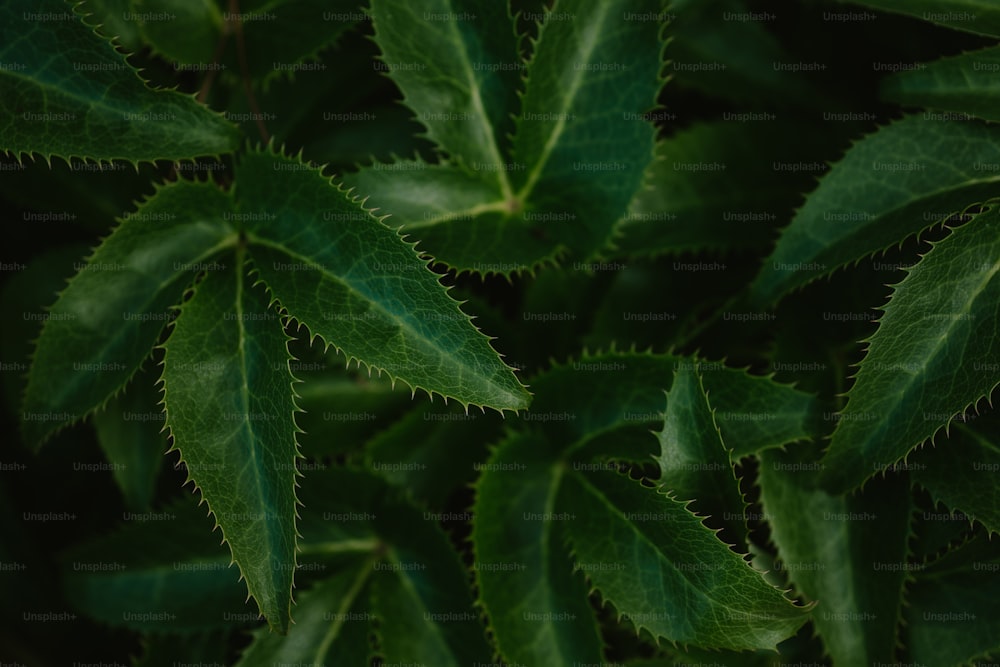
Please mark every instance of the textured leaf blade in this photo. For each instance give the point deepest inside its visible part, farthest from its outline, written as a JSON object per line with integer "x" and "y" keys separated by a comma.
{"x": 694, "y": 462}
{"x": 229, "y": 411}
{"x": 961, "y": 472}
{"x": 936, "y": 353}
{"x": 953, "y": 606}
{"x": 966, "y": 83}
{"x": 108, "y": 318}
{"x": 670, "y": 573}
{"x": 847, "y": 553}
{"x": 353, "y": 282}
{"x": 582, "y": 141}
{"x": 396, "y": 579}
{"x": 602, "y": 393}
{"x": 332, "y": 624}
{"x": 982, "y": 18}
{"x": 465, "y": 88}
{"x": 75, "y": 96}
{"x": 537, "y": 607}
{"x": 162, "y": 571}
{"x": 890, "y": 185}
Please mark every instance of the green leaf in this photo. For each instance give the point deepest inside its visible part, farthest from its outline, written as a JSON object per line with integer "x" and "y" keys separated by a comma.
{"x": 108, "y": 318}
{"x": 961, "y": 472}
{"x": 129, "y": 431}
{"x": 890, "y": 185}
{"x": 229, "y": 411}
{"x": 582, "y": 141}
{"x": 694, "y": 462}
{"x": 166, "y": 650}
{"x": 352, "y": 282}
{"x": 935, "y": 354}
{"x": 397, "y": 576}
{"x": 284, "y": 37}
{"x": 953, "y": 605}
{"x": 340, "y": 413}
{"x": 463, "y": 90}
{"x": 982, "y": 18}
{"x": 185, "y": 33}
{"x": 732, "y": 59}
{"x": 966, "y": 83}
{"x": 432, "y": 451}
{"x": 604, "y": 392}
{"x": 332, "y": 624}
{"x": 650, "y": 557}
{"x": 163, "y": 571}
{"x": 536, "y": 604}
{"x": 113, "y": 19}
{"x": 847, "y": 553}
{"x": 712, "y": 186}
{"x": 73, "y": 95}
{"x": 562, "y": 188}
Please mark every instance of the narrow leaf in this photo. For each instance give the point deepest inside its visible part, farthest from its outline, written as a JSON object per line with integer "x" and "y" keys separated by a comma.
{"x": 73, "y": 95}
{"x": 463, "y": 90}
{"x": 230, "y": 415}
{"x": 694, "y": 462}
{"x": 108, "y": 318}
{"x": 966, "y": 83}
{"x": 935, "y": 354}
{"x": 651, "y": 558}
{"x": 890, "y": 185}
{"x": 847, "y": 553}
{"x": 582, "y": 141}
{"x": 354, "y": 283}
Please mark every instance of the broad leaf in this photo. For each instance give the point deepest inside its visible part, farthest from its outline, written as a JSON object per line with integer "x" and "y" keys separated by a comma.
{"x": 229, "y": 409}
{"x": 129, "y": 431}
{"x": 108, "y": 318}
{"x": 73, "y": 95}
{"x": 535, "y": 603}
{"x": 162, "y": 571}
{"x": 953, "y": 605}
{"x": 961, "y": 472}
{"x": 982, "y": 18}
{"x": 966, "y": 83}
{"x": 890, "y": 185}
{"x": 655, "y": 562}
{"x": 352, "y": 282}
{"x": 935, "y": 354}
{"x": 847, "y": 553}
{"x": 694, "y": 462}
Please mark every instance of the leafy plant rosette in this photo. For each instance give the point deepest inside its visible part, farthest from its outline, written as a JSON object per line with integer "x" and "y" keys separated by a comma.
{"x": 659, "y": 501}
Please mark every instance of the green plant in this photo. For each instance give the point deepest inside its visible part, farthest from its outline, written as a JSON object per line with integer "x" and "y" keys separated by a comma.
{"x": 642, "y": 265}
